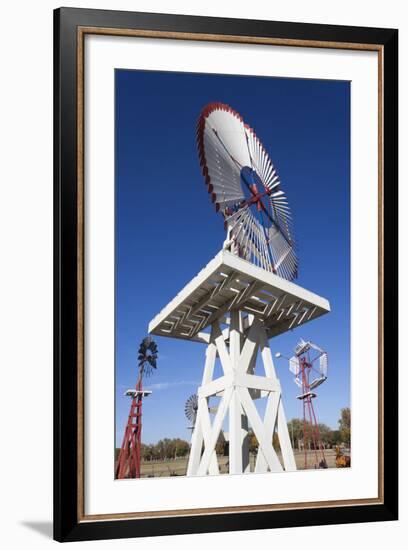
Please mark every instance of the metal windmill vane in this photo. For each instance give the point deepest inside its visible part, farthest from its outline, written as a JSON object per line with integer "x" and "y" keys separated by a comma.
{"x": 147, "y": 356}
{"x": 317, "y": 361}
{"x": 246, "y": 189}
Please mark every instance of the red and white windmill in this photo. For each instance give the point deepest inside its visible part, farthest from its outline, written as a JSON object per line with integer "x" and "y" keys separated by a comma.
{"x": 309, "y": 365}
{"x": 128, "y": 465}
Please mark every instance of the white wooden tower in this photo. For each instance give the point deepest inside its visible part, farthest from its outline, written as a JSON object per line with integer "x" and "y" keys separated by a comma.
{"x": 234, "y": 308}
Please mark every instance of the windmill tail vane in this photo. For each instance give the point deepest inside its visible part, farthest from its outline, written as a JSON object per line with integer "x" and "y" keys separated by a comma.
{"x": 244, "y": 186}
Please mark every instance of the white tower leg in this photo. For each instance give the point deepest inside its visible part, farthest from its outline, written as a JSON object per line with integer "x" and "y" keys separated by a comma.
{"x": 238, "y": 387}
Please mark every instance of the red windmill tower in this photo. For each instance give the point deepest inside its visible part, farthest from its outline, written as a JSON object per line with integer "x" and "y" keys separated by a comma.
{"x": 309, "y": 365}
{"x": 128, "y": 464}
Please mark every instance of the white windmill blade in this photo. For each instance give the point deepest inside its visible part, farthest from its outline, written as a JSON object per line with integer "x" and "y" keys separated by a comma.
{"x": 244, "y": 185}
{"x": 222, "y": 152}
{"x": 317, "y": 382}
{"x": 284, "y": 256}
{"x": 251, "y": 239}
{"x": 324, "y": 363}
{"x": 265, "y": 169}
{"x": 322, "y": 357}
{"x": 260, "y": 160}
{"x": 294, "y": 366}
{"x": 315, "y": 347}
{"x": 302, "y": 347}
{"x": 294, "y": 362}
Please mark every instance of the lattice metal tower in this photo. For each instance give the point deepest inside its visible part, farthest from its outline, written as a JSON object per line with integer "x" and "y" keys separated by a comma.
{"x": 309, "y": 365}
{"x": 128, "y": 464}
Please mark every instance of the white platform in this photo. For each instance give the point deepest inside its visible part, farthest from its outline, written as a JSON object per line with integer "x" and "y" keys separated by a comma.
{"x": 229, "y": 282}
{"x": 133, "y": 393}
{"x": 308, "y": 394}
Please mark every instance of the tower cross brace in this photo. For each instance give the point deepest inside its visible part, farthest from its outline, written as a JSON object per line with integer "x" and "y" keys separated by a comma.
{"x": 238, "y": 387}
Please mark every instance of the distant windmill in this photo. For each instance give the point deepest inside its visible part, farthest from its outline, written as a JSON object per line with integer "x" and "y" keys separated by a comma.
{"x": 191, "y": 409}
{"x": 128, "y": 464}
{"x": 309, "y": 365}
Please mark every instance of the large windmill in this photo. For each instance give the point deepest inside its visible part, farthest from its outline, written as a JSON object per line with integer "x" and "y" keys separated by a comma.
{"x": 241, "y": 299}
{"x": 128, "y": 464}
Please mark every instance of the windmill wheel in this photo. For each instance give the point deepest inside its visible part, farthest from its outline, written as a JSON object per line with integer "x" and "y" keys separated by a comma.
{"x": 245, "y": 187}
{"x": 191, "y": 408}
{"x": 147, "y": 356}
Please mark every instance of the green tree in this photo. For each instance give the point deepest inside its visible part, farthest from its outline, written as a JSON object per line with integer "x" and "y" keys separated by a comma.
{"x": 253, "y": 442}
{"x": 165, "y": 449}
{"x": 345, "y": 425}
{"x": 325, "y": 434}
{"x": 335, "y": 438}
{"x": 220, "y": 447}
{"x": 181, "y": 447}
{"x": 295, "y": 427}
{"x": 149, "y": 452}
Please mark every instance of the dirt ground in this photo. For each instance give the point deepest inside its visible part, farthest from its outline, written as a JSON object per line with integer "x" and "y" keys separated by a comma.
{"x": 178, "y": 467}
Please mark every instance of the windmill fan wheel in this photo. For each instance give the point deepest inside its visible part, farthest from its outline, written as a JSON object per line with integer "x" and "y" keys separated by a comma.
{"x": 147, "y": 356}
{"x": 245, "y": 188}
{"x": 191, "y": 408}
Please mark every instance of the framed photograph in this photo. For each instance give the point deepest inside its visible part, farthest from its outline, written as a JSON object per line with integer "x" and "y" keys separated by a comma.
{"x": 225, "y": 274}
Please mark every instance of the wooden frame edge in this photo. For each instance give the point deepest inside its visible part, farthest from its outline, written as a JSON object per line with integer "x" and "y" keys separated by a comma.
{"x": 81, "y": 273}
{"x": 238, "y": 39}
{"x": 81, "y": 32}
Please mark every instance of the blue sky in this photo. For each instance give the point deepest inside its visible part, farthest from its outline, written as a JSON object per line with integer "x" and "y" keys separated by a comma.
{"x": 166, "y": 229}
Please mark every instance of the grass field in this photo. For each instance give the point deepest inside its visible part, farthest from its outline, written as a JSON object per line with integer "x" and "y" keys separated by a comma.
{"x": 179, "y": 466}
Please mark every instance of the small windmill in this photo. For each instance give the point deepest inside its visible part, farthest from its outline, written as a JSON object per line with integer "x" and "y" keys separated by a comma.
{"x": 309, "y": 365}
{"x": 128, "y": 465}
{"x": 191, "y": 409}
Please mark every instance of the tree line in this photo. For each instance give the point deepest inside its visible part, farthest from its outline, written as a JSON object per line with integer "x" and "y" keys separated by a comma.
{"x": 167, "y": 448}
{"x": 329, "y": 437}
